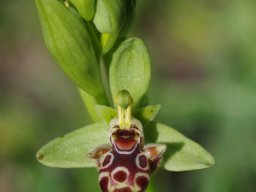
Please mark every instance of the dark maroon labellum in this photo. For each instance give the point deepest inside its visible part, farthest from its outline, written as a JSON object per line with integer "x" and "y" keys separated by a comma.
{"x": 127, "y": 164}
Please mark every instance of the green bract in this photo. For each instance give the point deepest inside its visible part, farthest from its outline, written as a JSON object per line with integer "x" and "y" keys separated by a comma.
{"x": 130, "y": 12}
{"x": 69, "y": 42}
{"x": 109, "y": 19}
{"x": 130, "y": 70}
{"x": 86, "y": 8}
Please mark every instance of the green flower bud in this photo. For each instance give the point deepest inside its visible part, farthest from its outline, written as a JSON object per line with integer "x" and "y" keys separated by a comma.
{"x": 86, "y": 8}
{"x": 130, "y": 70}
{"x": 110, "y": 18}
{"x": 68, "y": 40}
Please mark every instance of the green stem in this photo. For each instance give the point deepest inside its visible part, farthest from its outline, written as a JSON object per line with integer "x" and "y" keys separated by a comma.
{"x": 90, "y": 103}
{"x": 151, "y": 187}
{"x": 105, "y": 79}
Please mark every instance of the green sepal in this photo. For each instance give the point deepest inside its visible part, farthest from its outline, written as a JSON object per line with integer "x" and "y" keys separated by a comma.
{"x": 109, "y": 19}
{"x": 86, "y": 8}
{"x": 130, "y": 70}
{"x": 106, "y": 113}
{"x": 70, "y": 151}
{"x": 68, "y": 40}
{"x": 182, "y": 154}
{"x": 147, "y": 114}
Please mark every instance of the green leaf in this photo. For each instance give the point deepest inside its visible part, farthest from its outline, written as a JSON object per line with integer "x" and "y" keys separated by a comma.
{"x": 130, "y": 70}
{"x": 147, "y": 114}
{"x": 109, "y": 19}
{"x": 106, "y": 113}
{"x": 182, "y": 153}
{"x": 69, "y": 42}
{"x": 70, "y": 150}
{"x": 86, "y": 8}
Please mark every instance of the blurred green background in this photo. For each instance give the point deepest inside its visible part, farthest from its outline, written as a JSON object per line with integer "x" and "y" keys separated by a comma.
{"x": 204, "y": 76}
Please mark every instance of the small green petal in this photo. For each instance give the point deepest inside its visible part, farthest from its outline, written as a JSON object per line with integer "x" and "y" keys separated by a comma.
{"x": 147, "y": 114}
{"x": 130, "y": 70}
{"x": 106, "y": 113}
{"x": 182, "y": 154}
{"x": 68, "y": 40}
{"x": 70, "y": 151}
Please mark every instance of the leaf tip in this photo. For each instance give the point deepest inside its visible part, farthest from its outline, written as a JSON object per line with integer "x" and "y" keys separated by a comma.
{"x": 39, "y": 156}
{"x": 157, "y": 108}
{"x": 210, "y": 161}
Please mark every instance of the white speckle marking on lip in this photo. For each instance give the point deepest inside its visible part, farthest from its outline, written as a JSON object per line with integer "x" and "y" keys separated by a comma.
{"x": 108, "y": 163}
{"x": 138, "y": 163}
